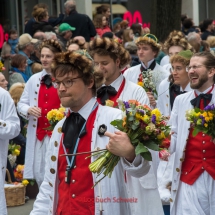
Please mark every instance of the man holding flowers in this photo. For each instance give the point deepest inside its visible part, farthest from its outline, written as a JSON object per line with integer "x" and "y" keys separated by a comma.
{"x": 109, "y": 59}
{"x": 193, "y": 182}
{"x": 67, "y": 186}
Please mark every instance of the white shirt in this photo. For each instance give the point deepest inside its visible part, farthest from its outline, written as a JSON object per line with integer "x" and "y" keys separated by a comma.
{"x": 149, "y": 63}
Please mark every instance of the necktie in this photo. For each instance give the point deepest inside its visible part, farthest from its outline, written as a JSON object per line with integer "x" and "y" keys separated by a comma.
{"x": 47, "y": 81}
{"x": 71, "y": 129}
{"x": 105, "y": 92}
{"x": 205, "y": 97}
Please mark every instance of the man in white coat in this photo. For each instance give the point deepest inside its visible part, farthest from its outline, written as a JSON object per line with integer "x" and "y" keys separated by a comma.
{"x": 147, "y": 50}
{"x": 193, "y": 182}
{"x": 109, "y": 57}
{"x": 9, "y": 128}
{"x": 74, "y": 79}
{"x": 38, "y": 98}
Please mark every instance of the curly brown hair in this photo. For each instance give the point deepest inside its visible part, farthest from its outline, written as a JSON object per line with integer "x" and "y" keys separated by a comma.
{"x": 108, "y": 47}
{"x": 77, "y": 62}
{"x": 52, "y": 44}
{"x": 97, "y": 21}
{"x": 177, "y": 38}
{"x": 40, "y": 13}
{"x": 75, "y": 41}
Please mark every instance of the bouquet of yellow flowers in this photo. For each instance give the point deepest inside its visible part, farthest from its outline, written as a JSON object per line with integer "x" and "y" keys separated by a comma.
{"x": 54, "y": 116}
{"x": 18, "y": 173}
{"x": 202, "y": 120}
{"x": 146, "y": 128}
{"x": 2, "y": 68}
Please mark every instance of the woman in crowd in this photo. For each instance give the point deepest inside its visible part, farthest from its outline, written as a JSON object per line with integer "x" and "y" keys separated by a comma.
{"x": 101, "y": 24}
{"x": 105, "y": 11}
{"x": 18, "y": 66}
{"x": 75, "y": 44}
{"x": 42, "y": 17}
{"x": 128, "y": 36}
{"x": 9, "y": 50}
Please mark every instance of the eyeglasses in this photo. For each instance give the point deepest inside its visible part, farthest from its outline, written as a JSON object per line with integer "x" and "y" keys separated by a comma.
{"x": 66, "y": 83}
{"x": 194, "y": 67}
{"x": 177, "y": 69}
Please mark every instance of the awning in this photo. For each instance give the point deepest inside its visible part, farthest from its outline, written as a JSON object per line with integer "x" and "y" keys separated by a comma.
{"x": 116, "y": 8}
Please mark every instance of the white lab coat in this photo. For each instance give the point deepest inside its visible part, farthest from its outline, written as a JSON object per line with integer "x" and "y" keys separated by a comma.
{"x": 9, "y": 128}
{"x": 46, "y": 202}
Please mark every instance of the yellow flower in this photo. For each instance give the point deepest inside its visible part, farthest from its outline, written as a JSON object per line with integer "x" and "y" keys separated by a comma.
{"x": 59, "y": 116}
{"x": 161, "y": 136}
{"x": 145, "y": 118}
{"x": 16, "y": 152}
{"x": 157, "y": 113}
{"x": 140, "y": 83}
{"x": 205, "y": 114}
{"x": 25, "y": 182}
{"x": 109, "y": 103}
{"x": 207, "y": 119}
{"x": 206, "y": 125}
{"x": 62, "y": 109}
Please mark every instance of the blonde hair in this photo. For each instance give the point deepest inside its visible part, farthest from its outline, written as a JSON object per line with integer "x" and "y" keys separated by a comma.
{"x": 16, "y": 91}
{"x": 211, "y": 41}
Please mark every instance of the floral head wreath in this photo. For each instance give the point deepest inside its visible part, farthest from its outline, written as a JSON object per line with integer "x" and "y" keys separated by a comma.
{"x": 79, "y": 59}
{"x": 148, "y": 38}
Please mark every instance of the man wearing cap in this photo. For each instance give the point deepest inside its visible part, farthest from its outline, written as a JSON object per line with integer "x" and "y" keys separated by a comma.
{"x": 147, "y": 50}
{"x": 193, "y": 181}
{"x": 65, "y": 33}
{"x": 26, "y": 48}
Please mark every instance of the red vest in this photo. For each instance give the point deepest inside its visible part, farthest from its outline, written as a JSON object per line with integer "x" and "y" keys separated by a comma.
{"x": 115, "y": 97}
{"x": 199, "y": 156}
{"x": 47, "y": 100}
{"x": 78, "y": 196}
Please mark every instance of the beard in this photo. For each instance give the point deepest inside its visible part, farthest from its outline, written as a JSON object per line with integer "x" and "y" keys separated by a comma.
{"x": 202, "y": 80}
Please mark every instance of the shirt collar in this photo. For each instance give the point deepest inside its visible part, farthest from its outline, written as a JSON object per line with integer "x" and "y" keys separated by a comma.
{"x": 207, "y": 90}
{"x": 187, "y": 88}
{"x": 149, "y": 63}
{"x": 44, "y": 73}
{"x": 117, "y": 83}
{"x": 85, "y": 111}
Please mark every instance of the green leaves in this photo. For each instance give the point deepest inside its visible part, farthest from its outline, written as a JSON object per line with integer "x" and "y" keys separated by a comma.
{"x": 143, "y": 151}
{"x": 118, "y": 123}
{"x": 151, "y": 145}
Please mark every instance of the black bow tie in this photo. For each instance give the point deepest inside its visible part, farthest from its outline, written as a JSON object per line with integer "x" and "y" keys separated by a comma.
{"x": 206, "y": 98}
{"x": 47, "y": 81}
{"x": 151, "y": 67}
{"x": 105, "y": 92}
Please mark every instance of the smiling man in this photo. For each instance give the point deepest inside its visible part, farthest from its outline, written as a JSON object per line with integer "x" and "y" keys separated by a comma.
{"x": 67, "y": 186}
{"x": 38, "y": 98}
{"x": 193, "y": 182}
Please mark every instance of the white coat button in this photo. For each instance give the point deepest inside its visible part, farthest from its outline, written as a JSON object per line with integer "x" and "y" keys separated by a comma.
{"x": 204, "y": 159}
{"x": 74, "y": 167}
{"x": 203, "y": 142}
{"x": 203, "y": 135}
{"x": 73, "y": 195}
{"x": 203, "y": 151}
{"x": 73, "y": 181}
{"x": 202, "y": 167}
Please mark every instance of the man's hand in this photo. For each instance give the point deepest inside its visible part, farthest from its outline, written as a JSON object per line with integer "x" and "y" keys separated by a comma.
{"x": 120, "y": 145}
{"x": 34, "y": 111}
{"x": 152, "y": 100}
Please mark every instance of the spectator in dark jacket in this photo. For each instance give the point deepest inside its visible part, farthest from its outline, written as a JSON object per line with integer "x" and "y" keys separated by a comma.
{"x": 82, "y": 23}
{"x": 51, "y": 21}
{"x": 207, "y": 28}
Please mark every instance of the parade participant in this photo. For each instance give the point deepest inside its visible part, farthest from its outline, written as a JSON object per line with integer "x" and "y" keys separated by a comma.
{"x": 3, "y": 81}
{"x": 9, "y": 128}
{"x": 147, "y": 50}
{"x": 38, "y": 98}
{"x": 169, "y": 89}
{"x": 109, "y": 57}
{"x": 193, "y": 182}
{"x": 176, "y": 84}
{"x": 75, "y": 82}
